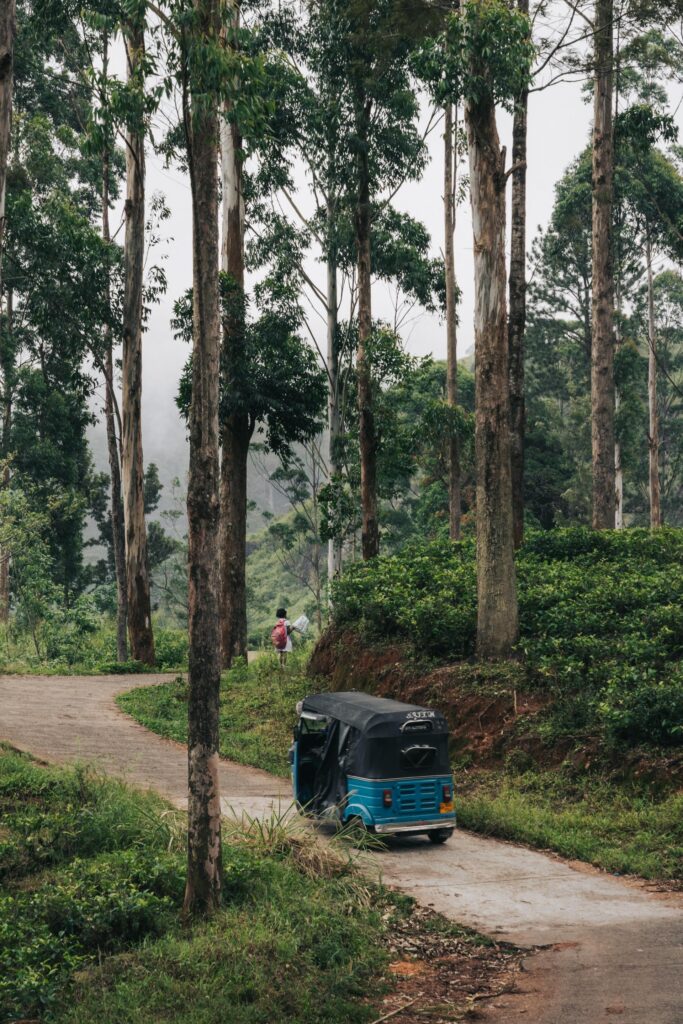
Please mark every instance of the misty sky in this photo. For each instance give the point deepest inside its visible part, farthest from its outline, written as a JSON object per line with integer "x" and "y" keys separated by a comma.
{"x": 559, "y": 125}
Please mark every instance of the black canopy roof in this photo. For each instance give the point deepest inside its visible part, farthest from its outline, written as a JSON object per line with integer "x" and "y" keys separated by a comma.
{"x": 363, "y": 711}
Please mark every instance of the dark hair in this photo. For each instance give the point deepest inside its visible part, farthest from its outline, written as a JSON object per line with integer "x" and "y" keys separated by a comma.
{"x": 281, "y": 613}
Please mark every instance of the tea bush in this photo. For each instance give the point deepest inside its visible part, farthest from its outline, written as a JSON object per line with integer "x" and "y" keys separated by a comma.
{"x": 171, "y": 647}
{"x": 86, "y": 866}
{"x": 101, "y": 871}
{"x": 601, "y": 614}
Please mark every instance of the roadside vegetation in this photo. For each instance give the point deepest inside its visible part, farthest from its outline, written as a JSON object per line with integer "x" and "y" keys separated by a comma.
{"x": 257, "y": 709}
{"x": 91, "y": 883}
{"x": 590, "y": 764}
{"x": 624, "y": 826}
{"x": 88, "y": 650}
{"x": 601, "y": 625}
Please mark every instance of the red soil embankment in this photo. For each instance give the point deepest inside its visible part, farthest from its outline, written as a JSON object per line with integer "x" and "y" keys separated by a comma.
{"x": 486, "y": 706}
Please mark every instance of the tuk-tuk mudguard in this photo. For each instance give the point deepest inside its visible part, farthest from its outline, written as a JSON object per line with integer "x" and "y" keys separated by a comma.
{"x": 413, "y": 801}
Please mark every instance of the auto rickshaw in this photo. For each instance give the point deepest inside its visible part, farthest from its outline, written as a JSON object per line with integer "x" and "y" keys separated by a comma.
{"x": 378, "y": 763}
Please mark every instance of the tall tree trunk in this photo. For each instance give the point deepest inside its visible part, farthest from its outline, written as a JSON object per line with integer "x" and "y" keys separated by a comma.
{"x": 233, "y": 532}
{"x": 602, "y": 348}
{"x": 618, "y": 475}
{"x": 117, "y": 527}
{"x": 368, "y": 437}
{"x": 449, "y": 180}
{"x": 653, "y": 435}
{"x": 517, "y": 313}
{"x": 137, "y": 564}
{"x": 497, "y": 616}
{"x": 235, "y": 429}
{"x": 8, "y": 374}
{"x": 333, "y": 411}
{"x": 7, "y": 36}
{"x": 618, "y": 465}
{"x": 204, "y": 872}
{"x": 8, "y": 31}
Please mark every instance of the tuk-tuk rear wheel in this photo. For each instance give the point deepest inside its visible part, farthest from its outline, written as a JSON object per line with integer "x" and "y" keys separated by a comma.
{"x": 356, "y": 823}
{"x": 440, "y": 835}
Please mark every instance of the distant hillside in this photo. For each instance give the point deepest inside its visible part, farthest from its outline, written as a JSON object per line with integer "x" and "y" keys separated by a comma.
{"x": 270, "y": 585}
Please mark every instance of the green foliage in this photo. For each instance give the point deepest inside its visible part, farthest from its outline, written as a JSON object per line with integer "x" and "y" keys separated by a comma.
{"x": 257, "y": 714}
{"x": 625, "y": 829}
{"x": 639, "y": 707}
{"x": 425, "y": 596}
{"x": 115, "y": 870}
{"x": 275, "y": 381}
{"x": 171, "y": 648}
{"x": 600, "y": 617}
{"x": 56, "y": 630}
{"x": 107, "y": 877}
{"x": 484, "y": 56}
{"x": 78, "y": 639}
{"x": 558, "y": 339}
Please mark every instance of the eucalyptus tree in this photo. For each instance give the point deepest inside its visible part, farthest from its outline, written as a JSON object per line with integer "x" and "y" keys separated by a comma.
{"x": 650, "y": 188}
{"x": 53, "y": 281}
{"x": 254, "y": 139}
{"x": 235, "y": 426}
{"x": 663, "y": 304}
{"x": 318, "y": 138}
{"x": 7, "y": 34}
{"x": 517, "y": 300}
{"x": 432, "y": 67}
{"x": 117, "y": 514}
{"x": 449, "y": 186}
{"x": 132, "y": 465}
{"x": 362, "y": 55}
{"x": 489, "y": 56}
{"x": 103, "y": 139}
{"x": 8, "y": 30}
{"x": 194, "y": 30}
{"x": 317, "y": 125}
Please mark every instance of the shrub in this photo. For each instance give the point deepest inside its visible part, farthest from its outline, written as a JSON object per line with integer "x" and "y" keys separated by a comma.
{"x": 50, "y": 817}
{"x": 123, "y": 668}
{"x": 425, "y": 596}
{"x": 601, "y": 617}
{"x": 639, "y": 707}
{"x": 171, "y": 647}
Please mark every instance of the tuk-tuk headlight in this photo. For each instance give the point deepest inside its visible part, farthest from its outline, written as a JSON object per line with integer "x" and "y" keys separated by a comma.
{"x": 388, "y": 798}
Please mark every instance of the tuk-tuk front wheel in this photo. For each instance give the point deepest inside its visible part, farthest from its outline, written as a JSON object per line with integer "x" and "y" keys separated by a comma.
{"x": 440, "y": 835}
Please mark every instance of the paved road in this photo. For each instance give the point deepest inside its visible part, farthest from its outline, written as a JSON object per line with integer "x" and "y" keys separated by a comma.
{"x": 615, "y": 950}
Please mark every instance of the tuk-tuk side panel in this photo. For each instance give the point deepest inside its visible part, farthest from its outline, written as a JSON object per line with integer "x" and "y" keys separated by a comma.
{"x": 412, "y": 800}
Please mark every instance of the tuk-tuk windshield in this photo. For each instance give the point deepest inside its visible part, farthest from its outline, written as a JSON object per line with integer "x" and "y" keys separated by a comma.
{"x": 310, "y": 723}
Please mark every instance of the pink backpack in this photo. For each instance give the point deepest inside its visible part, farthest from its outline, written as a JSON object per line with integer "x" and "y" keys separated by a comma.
{"x": 279, "y": 635}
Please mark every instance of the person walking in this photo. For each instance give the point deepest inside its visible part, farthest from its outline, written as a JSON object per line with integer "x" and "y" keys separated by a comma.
{"x": 281, "y": 635}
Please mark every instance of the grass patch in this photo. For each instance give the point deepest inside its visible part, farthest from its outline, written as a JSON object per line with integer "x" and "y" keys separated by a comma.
{"x": 92, "y": 877}
{"x": 622, "y": 828}
{"x": 91, "y": 883}
{"x": 258, "y": 710}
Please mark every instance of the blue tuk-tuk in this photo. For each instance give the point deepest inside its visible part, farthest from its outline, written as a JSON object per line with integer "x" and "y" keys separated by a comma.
{"x": 373, "y": 761}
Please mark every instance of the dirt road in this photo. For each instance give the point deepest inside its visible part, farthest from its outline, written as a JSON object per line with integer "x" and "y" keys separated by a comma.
{"x": 615, "y": 950}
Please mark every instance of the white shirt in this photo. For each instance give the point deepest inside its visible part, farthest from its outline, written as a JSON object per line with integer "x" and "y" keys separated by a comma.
{"x": 288, "y": 648}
